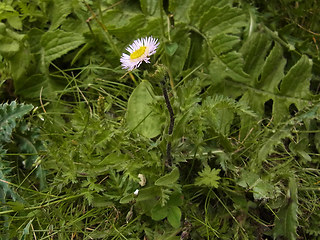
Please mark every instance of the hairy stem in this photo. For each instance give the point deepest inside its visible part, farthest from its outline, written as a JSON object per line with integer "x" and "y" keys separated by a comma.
{"x": 171, "y": 124}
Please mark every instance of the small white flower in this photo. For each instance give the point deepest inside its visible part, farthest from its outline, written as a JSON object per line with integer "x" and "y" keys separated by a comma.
{"x": 136, "y": 192}
{"x": 140, "y": 50}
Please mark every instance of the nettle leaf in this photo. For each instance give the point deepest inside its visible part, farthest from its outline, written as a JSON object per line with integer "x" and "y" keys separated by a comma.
{"x": 286, "y": 222}
{"x": 61, "y": 9}
{"x": 57, "y": 43}
{"x": 140, "y": 115}
{"x": 9, "y": 114}
{"x": 208, "y": 177}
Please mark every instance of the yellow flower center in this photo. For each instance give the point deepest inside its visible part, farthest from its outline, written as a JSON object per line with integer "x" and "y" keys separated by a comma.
{"x": 138, "y": 53}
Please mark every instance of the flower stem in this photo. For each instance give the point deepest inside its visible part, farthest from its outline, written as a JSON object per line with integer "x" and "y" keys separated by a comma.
{"x": 171, "y": 124}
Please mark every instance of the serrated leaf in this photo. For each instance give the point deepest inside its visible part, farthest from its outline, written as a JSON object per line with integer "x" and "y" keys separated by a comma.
{"x": 228, "y": 65}
{"x": 9, "y": 113}
{"x": 140, "y": 116}
{"x": 223, "y": 43}
{"x": 218, "y": 20}
{"x": 61, "y": 9}
{"x": 57, "y": 43}
{"x": 208, "y": 177}
{"x": 198, "y": 9}
{"x": 168, "y": 179}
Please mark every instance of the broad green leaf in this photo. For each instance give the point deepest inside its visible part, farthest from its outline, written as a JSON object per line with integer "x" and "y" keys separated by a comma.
{"x": 272, "y": 73}
{"x": 174, "y": 216}
{"x": 223, "y": 43}
{"x": 57, "y": 43}
{"x": 171, "y": 48}
{"x": 286, "y": 222}
{"x": 124, "y": 24}
{"x": 60, "y": 10}
{"x": 200, "y": 11}
{"x": 261, "y": 189}
{"x": 140, "y": 116}
{"x": 254, "y": 57}
{"x": 158, "y": 212}
{"x": 218, "y": 20}
{"x": 8, "y": 46}
{"x": 15, "y": 22}
{"x": 31, "y": 87}
{"x": 169, "y": 178}
{"x": 178, "y": 59}
{"x": 126, "y": 199}
{"x": 228, "y": 65}
{"x": 149, "y": 6}
{"x": 208, "y": 177}
{"x": 148, "y": 194}
{"x": 297, "y": 81}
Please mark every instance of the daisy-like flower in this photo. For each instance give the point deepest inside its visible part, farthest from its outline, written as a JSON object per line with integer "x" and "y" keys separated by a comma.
{"x": 140, "y": 50}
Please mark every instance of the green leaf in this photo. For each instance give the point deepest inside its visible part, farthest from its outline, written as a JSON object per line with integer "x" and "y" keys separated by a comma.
{"x": 286, "y": 222}
{"x": 228, "y": 65}
{"x": 218, "y": 20}
{"x": 26, "y": 230}
{"x": 149, "y": 6}
{"x": 168, "y": 179}
{"x": 171, "y": 48}
{"x": 8, "y": 45}
{"x": 297, "y": 81}
{"x": 208, "y": 177}
{"x": 140, "y": 115}
{"x": 174, "y": 216}
{"x": 179, "y": 57}
{"x": 261, "y": 189}
{"x": 61, "y": 9}
{"x": 9, "y": 114}
{"x": 57, "y": 43}
{"x": 223, "y": 43}
{"x": 15, "y": 22}
{"x": 158, "y": 212}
